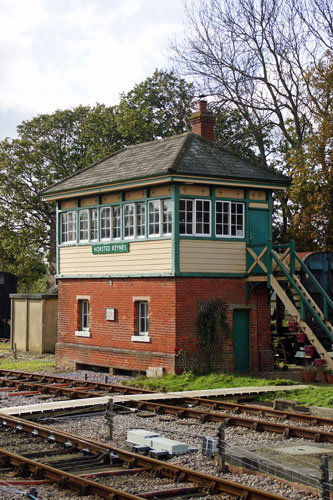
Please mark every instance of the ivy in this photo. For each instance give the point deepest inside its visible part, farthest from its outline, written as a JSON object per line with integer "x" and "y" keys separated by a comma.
{"x": 212, "y": 322}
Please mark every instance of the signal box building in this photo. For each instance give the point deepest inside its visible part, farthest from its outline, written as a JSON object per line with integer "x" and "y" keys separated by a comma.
{"x": 146, "y": 235}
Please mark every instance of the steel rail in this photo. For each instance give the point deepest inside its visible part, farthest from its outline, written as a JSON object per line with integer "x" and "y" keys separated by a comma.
{"x": 25, "y": 466}
{"x": 251, "y": 423}
{"x": 84, "y": 389}
{"x": 209, "y": 484}
{"x": 255, "y": 409}
{"x": 70, "y": 381}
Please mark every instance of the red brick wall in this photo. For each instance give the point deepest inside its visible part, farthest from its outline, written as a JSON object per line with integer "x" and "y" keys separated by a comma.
{"x": 111, "y": 340}
{"x": 172, "y": 315}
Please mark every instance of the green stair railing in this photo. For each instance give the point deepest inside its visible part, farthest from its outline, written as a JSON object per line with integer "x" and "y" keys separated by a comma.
{"x": 305, "y": 304}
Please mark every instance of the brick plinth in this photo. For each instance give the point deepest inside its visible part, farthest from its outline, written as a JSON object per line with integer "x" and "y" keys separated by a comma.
{"x": 173, "y": 309}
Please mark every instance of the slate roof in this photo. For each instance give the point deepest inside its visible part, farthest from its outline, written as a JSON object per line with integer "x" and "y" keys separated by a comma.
{"x": 188, "y": 154}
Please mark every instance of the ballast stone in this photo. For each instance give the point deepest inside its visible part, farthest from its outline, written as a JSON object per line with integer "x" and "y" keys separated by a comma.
{"x": 142, "y": 437}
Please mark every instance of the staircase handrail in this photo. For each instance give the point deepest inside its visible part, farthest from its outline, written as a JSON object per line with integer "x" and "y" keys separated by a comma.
{"x": 304, "y": 300}
{"x": 326, "y": 298}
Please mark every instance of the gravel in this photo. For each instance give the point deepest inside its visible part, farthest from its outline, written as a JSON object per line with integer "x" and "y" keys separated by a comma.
{"x": 188, "y": 431}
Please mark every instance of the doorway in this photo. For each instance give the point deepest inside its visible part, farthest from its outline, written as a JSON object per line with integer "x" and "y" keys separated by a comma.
{"x": 241, "y": 339}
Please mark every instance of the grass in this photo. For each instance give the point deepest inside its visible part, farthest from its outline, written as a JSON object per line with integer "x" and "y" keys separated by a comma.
{"x": 24, "y": 360}
{"x": 317, "y": 395}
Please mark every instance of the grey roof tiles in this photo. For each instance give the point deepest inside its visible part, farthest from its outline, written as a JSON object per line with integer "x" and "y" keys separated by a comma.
{"x": 187, "y": 154}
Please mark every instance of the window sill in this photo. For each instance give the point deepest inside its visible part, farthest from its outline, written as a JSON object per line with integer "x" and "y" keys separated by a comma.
{"x": 140, "y": 338}
{"x": 82, "y": 333}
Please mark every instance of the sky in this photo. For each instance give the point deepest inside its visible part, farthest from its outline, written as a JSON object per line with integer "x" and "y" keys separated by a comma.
{"x": 57, "y": 54}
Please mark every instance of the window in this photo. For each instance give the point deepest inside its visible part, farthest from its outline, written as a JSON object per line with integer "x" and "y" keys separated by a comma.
{"x": 185, "y": 216}
{"x": 143, "y": 318}
{"x": 140, "y": 220}
{"x": 93, "y": 224}
{"x": 230, "y": 219}
{"x": 106, "y": 223}
{"x": 110, "y": 223}
{"x": 202, "y": 217}
{"x": 154, "y": 218}
{"x": 116, "y": 222}
{"x": 166, "y": 217}
{"x": 194, "y": 217}
{"x": 68, "y": 227}
{"x": 129, "y": 220}
{"x": 159, "y": 217}
{"x": 83, "y": 225}
{"x": 84, "y": 315}
{"x": 88, "y": 225}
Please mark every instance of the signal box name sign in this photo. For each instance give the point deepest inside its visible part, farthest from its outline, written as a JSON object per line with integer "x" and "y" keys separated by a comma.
{"x": 110, "y": 248}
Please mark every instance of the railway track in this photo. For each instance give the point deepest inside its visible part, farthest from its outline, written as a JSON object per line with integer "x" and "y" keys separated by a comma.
{"x": 68, "y": 460}
{"x": 31, "y": 383}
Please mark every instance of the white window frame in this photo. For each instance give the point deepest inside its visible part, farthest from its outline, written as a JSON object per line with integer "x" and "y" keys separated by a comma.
{"x": 107, "y": 227}
{"x": 166, "y": 212}
{"x": 86, "y": 229}
{"x": 140, "y": 220}
{"x": 193, "y": 224}
{"x": 198, "y": 233}
{"x": 91, "y": 219}
{"x": 84, "y": 315}
{"x": 143, "y": 317}
{"x": 129, "y": 221}
{"x": 115, "y": 227}
{"x": 230, "y": 223}
{"x": 111, "y": 227}
{"x": 65, "y": 224}
{"x": 187, "y": 201}
{"x": 161, "y": 214}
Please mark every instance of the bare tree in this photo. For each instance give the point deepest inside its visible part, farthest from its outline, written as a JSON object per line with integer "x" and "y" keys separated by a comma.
{"x": 253, "y": 55}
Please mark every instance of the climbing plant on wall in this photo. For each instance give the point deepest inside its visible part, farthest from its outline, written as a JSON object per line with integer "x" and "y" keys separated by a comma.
{"x": 212, "y": 330}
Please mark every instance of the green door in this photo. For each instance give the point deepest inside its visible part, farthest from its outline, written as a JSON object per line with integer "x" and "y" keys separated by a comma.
{"x": 241, "y": 336}
{"x": 258, "y": 236}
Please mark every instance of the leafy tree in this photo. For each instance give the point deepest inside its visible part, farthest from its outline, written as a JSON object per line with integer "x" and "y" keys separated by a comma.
{"x": 49, "y": 147}
{"x": 312, "y": 190}
{"x": 158, "y": 107}
{"x": 254, "y": 56}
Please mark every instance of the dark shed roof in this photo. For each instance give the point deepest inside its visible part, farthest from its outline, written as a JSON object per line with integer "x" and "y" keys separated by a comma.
{"x": 187, "y": 154}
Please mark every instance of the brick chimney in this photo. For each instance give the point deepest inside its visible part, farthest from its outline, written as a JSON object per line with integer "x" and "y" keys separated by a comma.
{"x": 202, "y": 121}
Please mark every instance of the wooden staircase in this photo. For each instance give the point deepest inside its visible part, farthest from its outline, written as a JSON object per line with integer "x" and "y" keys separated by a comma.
{"x": 297, "y": 301}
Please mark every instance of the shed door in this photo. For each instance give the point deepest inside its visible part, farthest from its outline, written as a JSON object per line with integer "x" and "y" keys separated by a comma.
{"x": 258, "y": 236}
{"x": 241, "y": 337}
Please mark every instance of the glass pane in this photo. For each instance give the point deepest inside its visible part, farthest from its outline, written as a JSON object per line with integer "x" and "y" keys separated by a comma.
{"x": 106, "y": 223}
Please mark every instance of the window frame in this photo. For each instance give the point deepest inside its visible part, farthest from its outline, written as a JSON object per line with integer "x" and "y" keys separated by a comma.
{"x": 65, "y": 223}
{"x": 193, "y": 223}
{"x": 161, "y": 214}
{"x": 83, "y": 316}
{"x": 230, "y": 204}
{"x": 129, "y": 217}
{"x": 143, "y": 316}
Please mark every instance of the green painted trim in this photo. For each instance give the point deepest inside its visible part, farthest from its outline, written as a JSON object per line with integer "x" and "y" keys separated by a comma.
{"x": 270, "y": 208}
{"x": 211, "y": 238}
{"x": 213, "y": 275}
{"x": 175, "y": 229}
{"x": 111, "y": 276}
{"x": 153, "y": 275}
{"x": 247, "y": 218}
{"x": 57, "y": 238}
{"x": 234, "y": 182}
{"x": 125, "y": 184}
